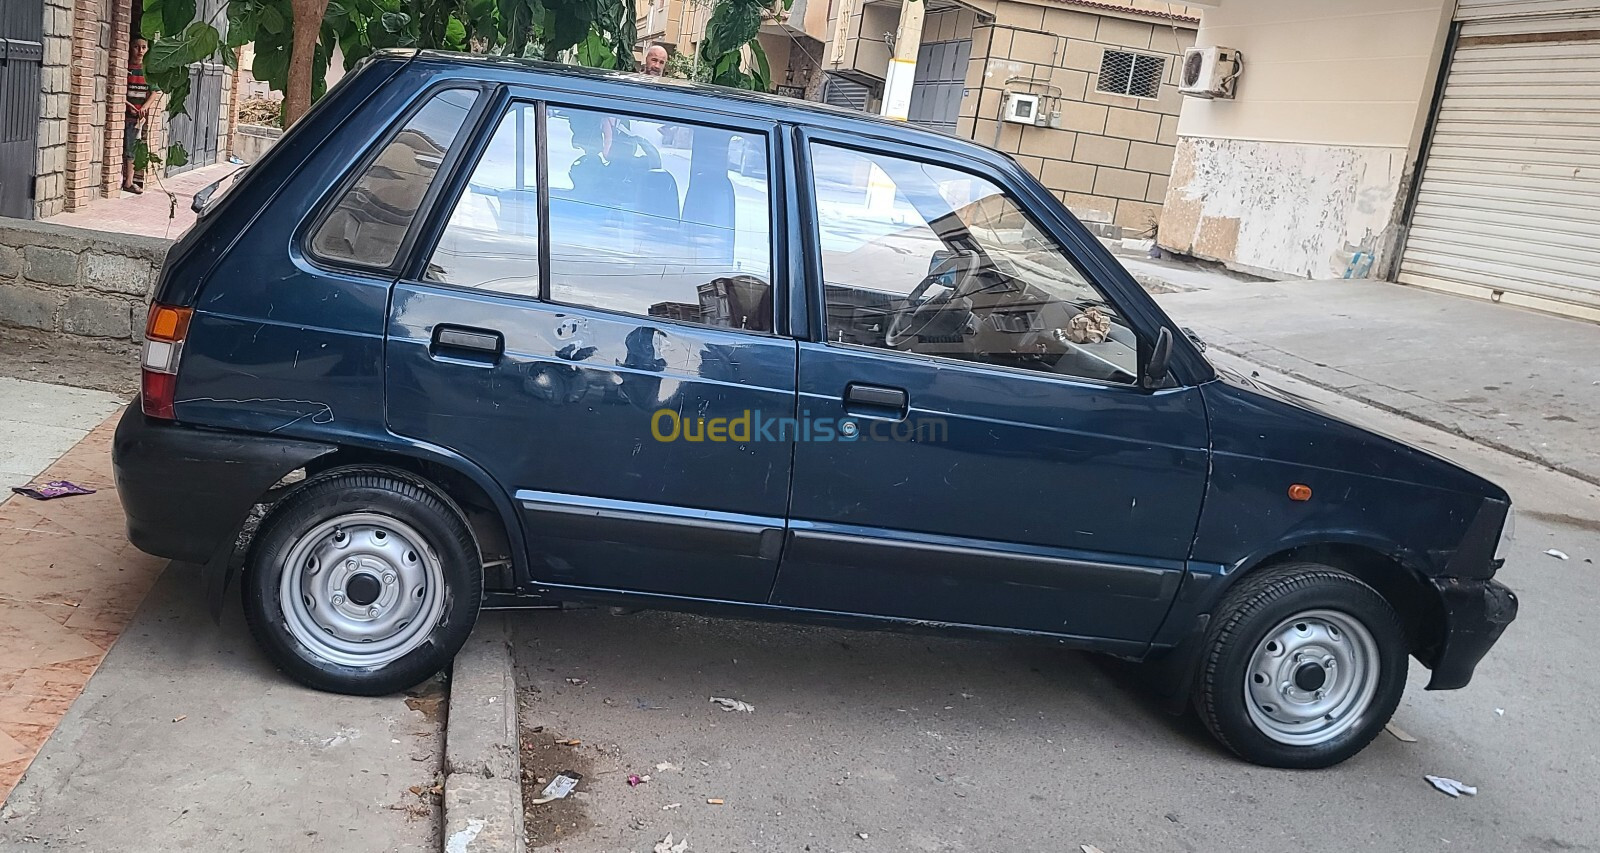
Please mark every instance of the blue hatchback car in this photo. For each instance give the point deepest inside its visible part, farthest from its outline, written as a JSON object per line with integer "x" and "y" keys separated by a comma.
{"x": 486, "y": 333}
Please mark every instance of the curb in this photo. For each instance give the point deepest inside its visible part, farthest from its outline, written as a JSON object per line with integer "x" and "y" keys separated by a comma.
{"x": 482, "y": 765}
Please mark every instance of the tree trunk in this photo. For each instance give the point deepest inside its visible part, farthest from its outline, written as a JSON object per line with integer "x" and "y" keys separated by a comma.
{"x": 303, "y": 49}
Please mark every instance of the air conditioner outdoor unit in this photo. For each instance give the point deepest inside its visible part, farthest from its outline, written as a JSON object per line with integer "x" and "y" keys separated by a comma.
{"x": 1020, "y": 108}
{"x": 1210, "y": 72}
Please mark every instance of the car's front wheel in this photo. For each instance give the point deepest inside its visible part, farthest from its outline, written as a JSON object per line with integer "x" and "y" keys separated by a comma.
{"x": 362, "y": 581}
{"x": 1302, "y": 667}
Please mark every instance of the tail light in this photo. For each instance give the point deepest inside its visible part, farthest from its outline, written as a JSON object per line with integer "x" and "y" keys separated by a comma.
{"x": 163, "y": 347}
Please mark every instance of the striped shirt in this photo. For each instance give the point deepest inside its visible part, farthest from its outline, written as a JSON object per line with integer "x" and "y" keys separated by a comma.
{"x": 138, "y": 92}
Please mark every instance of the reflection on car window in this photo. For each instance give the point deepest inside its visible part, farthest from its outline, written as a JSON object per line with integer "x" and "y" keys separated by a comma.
{"x": 368, "y": 224}
{"x": 492, "y": 238}
{"x": 659, "y": 219}
{"x": 925, "y": 259}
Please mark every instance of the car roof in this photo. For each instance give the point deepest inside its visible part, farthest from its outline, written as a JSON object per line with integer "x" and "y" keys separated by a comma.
{"x": 690, "y": 93}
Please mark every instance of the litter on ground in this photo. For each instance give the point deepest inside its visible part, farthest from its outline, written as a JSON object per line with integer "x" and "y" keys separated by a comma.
{"x": 1451, "y": 786}
{"x": 559, "y": 787}
{"x": 665, "y": 845}
{"x": 734, "y": 705}
{"x": 1559, "y": 555}
{"x": 52, "y": 490}
{"x": 1399, "y": 734}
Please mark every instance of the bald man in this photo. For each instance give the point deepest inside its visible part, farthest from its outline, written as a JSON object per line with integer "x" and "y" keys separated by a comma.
{"x": 655, "y": 61}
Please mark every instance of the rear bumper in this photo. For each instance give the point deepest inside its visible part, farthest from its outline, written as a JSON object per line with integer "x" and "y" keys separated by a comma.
{"x": 186, "y": 490}
{"x": 1476, "y": 613}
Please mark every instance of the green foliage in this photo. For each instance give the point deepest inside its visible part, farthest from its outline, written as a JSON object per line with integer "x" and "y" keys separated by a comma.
{"x": 686, "y": 66}
{"x": 599, "y": 33}
{"x": 143, "y": 157}
{"x": 733, "y": 26}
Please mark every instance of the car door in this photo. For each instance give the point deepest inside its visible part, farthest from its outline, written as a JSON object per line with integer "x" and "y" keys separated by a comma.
{"x": 991, "y": 459}
{"x": 592, "y": 310}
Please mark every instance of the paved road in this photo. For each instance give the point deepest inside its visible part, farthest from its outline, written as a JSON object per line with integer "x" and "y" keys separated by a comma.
{"x": 881, "y": 742}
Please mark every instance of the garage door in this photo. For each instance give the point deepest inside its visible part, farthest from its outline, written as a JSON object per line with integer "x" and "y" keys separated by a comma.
{"x": 1509, "y": 204}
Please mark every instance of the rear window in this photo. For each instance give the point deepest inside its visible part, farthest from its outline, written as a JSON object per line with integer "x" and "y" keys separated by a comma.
{"x": 369, "y": 222}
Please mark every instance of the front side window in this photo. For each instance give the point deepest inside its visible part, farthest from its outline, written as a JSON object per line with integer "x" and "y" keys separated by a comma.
{"x": 930, "y": 260}
{"x": 659, "y": 218}
{"x": 371, "y": 219}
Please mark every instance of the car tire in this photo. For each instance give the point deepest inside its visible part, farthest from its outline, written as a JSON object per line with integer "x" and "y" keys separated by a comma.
{"x": 1301, "y": 667}
{"x": 362, "y": 581}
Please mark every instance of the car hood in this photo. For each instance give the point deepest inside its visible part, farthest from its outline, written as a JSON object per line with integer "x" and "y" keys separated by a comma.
{"x": 1254, "y": 419}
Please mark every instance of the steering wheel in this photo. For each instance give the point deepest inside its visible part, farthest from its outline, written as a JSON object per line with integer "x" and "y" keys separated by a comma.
{"x": 904, "y": 326}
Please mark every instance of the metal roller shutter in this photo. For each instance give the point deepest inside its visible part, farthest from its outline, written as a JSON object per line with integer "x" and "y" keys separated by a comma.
{"x": 940, "y": 83}
{"x": 1509, "y": 203}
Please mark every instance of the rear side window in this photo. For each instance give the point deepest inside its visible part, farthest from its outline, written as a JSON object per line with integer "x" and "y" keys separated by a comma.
{"x": 652, "y": 218}
{"x": 371, "y": 219}
{"x": 659, "y": 218}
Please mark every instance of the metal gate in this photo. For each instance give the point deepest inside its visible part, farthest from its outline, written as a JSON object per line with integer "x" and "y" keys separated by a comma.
{"x": 21, "y": 52}
{"x": 1509, "y": 202}
{"x": 197, "y": 129}
{"x": 940, "y": 83}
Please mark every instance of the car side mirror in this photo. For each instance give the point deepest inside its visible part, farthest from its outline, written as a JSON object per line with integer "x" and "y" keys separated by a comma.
{"x": 1155, "y": 372}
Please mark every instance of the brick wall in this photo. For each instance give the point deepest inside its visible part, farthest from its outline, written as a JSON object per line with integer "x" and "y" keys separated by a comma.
{"x": 54, "y": 106}
{"x": 116, "y": 96}
{"x": 1113, "y": 153}
{"x": 71, "y": 281}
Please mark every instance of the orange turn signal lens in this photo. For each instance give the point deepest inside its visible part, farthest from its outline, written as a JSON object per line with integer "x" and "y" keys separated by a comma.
{"x": 1299, "y": 492}
{"x": 168, "y": 323}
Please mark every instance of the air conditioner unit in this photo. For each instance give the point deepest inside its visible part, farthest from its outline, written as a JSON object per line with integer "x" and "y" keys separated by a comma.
{"x": 1020, "y": 108}
{"x": 1210, "y": 72}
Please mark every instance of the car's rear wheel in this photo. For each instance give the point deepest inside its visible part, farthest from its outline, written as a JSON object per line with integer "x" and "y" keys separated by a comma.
{"x": 362, "y": 581}
{"x": 1302, "y": 667}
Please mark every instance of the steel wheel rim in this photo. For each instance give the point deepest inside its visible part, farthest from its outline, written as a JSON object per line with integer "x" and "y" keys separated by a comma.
{"x": 1311, "y": 677}
{"x": 362, "y": 590}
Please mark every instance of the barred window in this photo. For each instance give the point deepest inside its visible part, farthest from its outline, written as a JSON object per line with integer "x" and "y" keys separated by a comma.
{"x": 1123, "y": 73}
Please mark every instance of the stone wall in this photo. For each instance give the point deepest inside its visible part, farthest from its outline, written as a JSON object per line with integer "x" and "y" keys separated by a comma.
{"x": 72, "y": 281}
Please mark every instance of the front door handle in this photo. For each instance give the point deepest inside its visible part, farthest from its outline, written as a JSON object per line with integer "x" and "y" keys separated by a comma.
{"x": 465, "y": 343}
{"x": 875, "y": 398}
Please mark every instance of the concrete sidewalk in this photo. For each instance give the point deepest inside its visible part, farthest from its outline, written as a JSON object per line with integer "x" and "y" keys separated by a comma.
{"x": 161, "y": 211}
{"x": 134, "y": 721}
{"x": 1516, "y": 380}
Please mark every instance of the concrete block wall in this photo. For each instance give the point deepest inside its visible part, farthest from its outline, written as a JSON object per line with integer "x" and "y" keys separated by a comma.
{"x": 72, "y": 281}
{"x": 55, "y": 101}
{"x": 1112, "y": 153}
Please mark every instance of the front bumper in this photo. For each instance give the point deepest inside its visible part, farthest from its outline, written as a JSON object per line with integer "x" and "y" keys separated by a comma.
{"x": 1476, "y": 613}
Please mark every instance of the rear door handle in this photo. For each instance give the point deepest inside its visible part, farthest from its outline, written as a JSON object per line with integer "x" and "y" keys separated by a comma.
{"x": 467, "y": 343}
{"x": 875, "y": 398}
